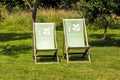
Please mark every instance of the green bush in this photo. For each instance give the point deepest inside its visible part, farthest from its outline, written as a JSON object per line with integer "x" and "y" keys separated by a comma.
{"x": 23, "y": 20}
{"x": 56, "y": 16}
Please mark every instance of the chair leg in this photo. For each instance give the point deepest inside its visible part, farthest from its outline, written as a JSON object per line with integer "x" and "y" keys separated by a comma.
{"x": 89, "y": 57}
{"x": 56, "y": 56}
{"x": 85, "y": 52}
{"x": 84, "y": 55}
{"x": 64, "y": 56}
{"x": 67, "y": 55}
{"x": 35, "y": 58}
{"x": 35, "y": 54}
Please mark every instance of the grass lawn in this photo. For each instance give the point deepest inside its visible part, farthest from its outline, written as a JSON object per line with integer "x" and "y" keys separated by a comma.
{"x": 16, "y": 62}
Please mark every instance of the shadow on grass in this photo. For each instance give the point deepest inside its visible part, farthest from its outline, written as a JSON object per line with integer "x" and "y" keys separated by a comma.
{"x": 14, "y": 36}
{"x": 15, "y": 50}
{"x": 112, "y": 40}
{"x": 77, "y": 58}
{"x": 46, "y": 59}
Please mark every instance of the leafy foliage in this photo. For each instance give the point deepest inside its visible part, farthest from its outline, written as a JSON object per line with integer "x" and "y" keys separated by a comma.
{"x": 1, "y": 17}
{"x": 11, "y": 4}
{"x": 98, "y": 11}
{"x": 95, "y": 8}
{"x": 66, "y": 4}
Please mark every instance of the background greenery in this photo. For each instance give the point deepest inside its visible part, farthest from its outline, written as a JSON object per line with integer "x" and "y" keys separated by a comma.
{"x": 102, "y": 13}
{"x": 16, "y": 62}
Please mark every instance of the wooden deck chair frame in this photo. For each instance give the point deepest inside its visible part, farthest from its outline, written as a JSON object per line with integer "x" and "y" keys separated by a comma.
{"x": 55, "y": 55}
{"x": 67, "y": 47}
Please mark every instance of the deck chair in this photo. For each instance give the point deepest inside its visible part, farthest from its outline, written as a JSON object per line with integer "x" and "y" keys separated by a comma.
{"x": 75, "y": 37}
{"x": 44, "y": 36}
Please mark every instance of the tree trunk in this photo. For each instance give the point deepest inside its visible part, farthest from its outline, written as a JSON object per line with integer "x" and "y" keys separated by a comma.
{"x": 105, "y": 24}
{"x": 105, "y": 33}
{"x": 34, "y": 11}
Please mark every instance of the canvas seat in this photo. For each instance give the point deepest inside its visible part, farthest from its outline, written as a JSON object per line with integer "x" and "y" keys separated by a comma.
{"x": 44, "y": 36}
{"x": 75, "y": 37}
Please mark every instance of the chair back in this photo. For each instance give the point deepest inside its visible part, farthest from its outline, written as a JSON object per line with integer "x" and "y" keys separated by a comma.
{"x": 44, "y": 35}
{"x": 74, "y": 32}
